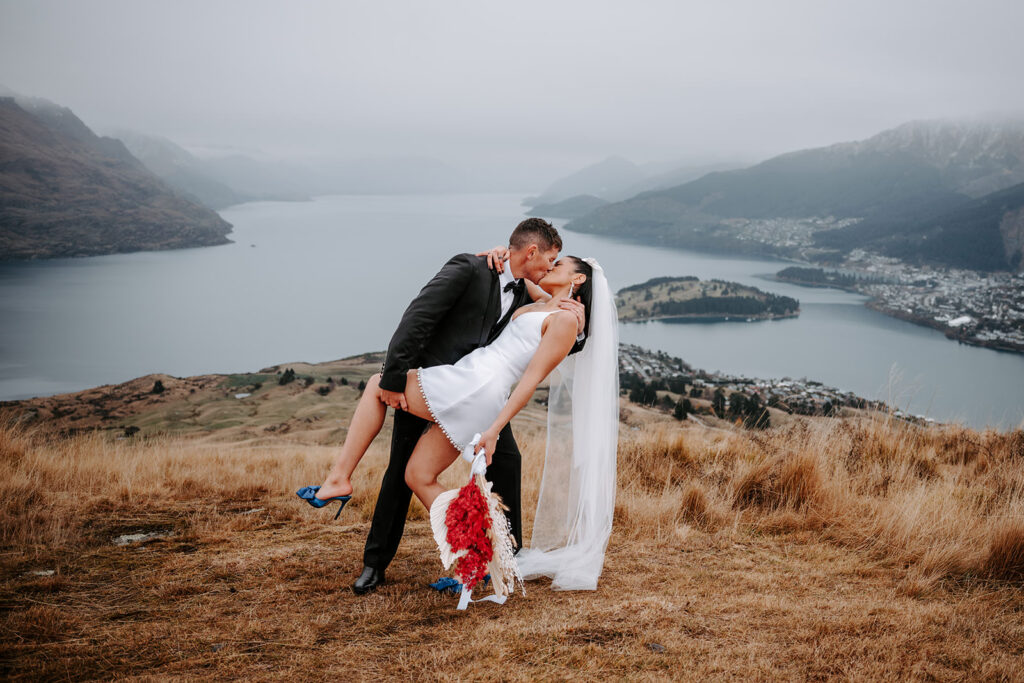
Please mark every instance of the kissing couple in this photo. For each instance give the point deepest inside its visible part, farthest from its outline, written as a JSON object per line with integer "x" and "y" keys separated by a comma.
{"x": 468, "y": 354}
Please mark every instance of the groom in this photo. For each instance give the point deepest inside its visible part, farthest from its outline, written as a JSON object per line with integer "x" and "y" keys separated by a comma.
{"x": 465, "y": 306}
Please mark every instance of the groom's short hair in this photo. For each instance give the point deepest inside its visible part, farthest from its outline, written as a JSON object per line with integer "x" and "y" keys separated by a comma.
{"x": 535, "y": 231}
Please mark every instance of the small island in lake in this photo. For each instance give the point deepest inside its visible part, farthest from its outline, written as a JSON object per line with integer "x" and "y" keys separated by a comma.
{"x": 689, "y": 298}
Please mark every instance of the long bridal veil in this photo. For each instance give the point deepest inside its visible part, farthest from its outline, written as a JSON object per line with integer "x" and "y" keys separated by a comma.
{"x": 577, "y": 492}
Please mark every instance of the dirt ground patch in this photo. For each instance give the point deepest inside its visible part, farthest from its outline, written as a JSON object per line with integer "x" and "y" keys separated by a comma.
{"x": 266, "y": 595}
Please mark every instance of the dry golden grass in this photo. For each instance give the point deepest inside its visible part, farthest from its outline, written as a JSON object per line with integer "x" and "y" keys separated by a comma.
{"x": 948, "y": 503}
{"x": 821, "y": 549}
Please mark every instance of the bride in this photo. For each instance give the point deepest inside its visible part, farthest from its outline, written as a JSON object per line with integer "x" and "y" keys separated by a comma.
{"x": 476, "y": 395}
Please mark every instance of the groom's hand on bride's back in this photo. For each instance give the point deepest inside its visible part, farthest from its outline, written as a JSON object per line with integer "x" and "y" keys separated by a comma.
{"x": 394, "y": 399}
{"x": 575, "y": 306}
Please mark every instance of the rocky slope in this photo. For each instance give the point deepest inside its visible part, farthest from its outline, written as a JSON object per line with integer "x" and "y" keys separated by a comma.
{"x": 64, "y": 191}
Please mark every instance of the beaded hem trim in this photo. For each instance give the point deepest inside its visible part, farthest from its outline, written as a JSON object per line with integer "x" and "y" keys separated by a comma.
{"x": 430, "y": 409}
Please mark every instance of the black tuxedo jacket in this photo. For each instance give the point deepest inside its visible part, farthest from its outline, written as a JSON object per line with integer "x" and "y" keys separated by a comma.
{"x": 456, "y": 312}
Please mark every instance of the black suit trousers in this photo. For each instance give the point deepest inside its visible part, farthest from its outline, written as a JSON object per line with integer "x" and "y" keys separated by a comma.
{"x": 393, "y": 501}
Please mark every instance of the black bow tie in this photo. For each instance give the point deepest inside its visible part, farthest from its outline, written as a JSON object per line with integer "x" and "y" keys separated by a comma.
{"x": 513, "y": 286}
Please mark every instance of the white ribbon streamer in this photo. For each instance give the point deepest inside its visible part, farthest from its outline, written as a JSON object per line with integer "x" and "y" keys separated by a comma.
{"x": 465, "y": 599}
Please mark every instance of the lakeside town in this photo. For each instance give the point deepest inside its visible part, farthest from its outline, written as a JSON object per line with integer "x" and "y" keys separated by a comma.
{"x": 983, "y": 309}
{"x": 972, "y": 307}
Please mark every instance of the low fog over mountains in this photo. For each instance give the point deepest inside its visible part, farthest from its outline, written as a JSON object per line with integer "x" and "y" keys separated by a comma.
{"x": 219, "y": 181}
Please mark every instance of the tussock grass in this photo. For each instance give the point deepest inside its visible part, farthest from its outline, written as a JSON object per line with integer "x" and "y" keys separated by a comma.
{"x": 859, "y": 548}
{"x": 946, "y": 502}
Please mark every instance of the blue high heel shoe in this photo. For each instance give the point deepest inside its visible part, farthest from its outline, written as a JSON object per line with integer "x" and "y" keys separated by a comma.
{"x": 308, "y": 494}
{"x": 447, "y": 584}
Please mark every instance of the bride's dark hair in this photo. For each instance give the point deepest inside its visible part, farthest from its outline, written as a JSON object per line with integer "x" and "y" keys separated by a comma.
{"x": 585, "y": 292}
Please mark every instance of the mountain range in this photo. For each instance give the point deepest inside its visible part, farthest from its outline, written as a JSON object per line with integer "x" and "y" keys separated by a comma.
{"x": 64, "y": 191}
{"x": 921, "y": 191}
{"x": 182, "y": 170}
{"x": 615, "y": 178}
{"x": 224, "y": 179}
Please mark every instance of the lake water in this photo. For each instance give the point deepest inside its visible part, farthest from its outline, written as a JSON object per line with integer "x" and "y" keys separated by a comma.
{"x": 315, "y": 281}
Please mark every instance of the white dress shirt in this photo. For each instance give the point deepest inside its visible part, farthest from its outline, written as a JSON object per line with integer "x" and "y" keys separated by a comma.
{"x": 504, "y": 277}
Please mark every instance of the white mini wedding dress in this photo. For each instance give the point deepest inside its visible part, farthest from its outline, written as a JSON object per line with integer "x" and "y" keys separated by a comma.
{"x": 465, "y": 398}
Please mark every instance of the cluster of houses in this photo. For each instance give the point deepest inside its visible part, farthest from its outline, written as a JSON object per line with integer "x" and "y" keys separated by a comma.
{"x": 800, "y": 396}
{"x": 975, "y": 307}
{"x": 788, "y": 233}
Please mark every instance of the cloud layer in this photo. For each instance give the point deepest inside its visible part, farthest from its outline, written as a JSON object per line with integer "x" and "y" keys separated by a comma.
{"x": 523, "y": 88}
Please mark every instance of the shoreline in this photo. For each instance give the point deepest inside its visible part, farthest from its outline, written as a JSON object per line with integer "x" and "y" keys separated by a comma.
{"x": 710, "y": 318}
{"x": 878, "y": 305}
{"x": 815, "y": 285}
{"x": 947, "y": 331}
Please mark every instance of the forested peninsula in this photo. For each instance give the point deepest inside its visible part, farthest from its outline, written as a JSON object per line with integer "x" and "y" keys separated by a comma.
{"x": 690, "y": 298}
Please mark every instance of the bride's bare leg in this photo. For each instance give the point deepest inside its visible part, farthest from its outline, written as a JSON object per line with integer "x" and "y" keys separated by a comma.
{"x": 365, "y": 425}
{"x": 432, "y": 456}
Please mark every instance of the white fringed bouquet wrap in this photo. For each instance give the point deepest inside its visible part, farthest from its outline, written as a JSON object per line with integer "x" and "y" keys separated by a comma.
{"x": 473, "y": 534}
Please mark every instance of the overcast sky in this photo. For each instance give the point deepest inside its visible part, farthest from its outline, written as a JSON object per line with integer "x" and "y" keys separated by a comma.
{"x": 542, "y": 87}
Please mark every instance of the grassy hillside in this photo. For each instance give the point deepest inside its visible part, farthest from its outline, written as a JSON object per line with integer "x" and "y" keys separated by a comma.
{"x": 851, "y": 548}
{"x": 241, "y": 407}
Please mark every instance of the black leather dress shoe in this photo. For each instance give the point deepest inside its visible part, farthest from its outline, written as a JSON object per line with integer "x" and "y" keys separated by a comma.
{"x": 368, "y": 580}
